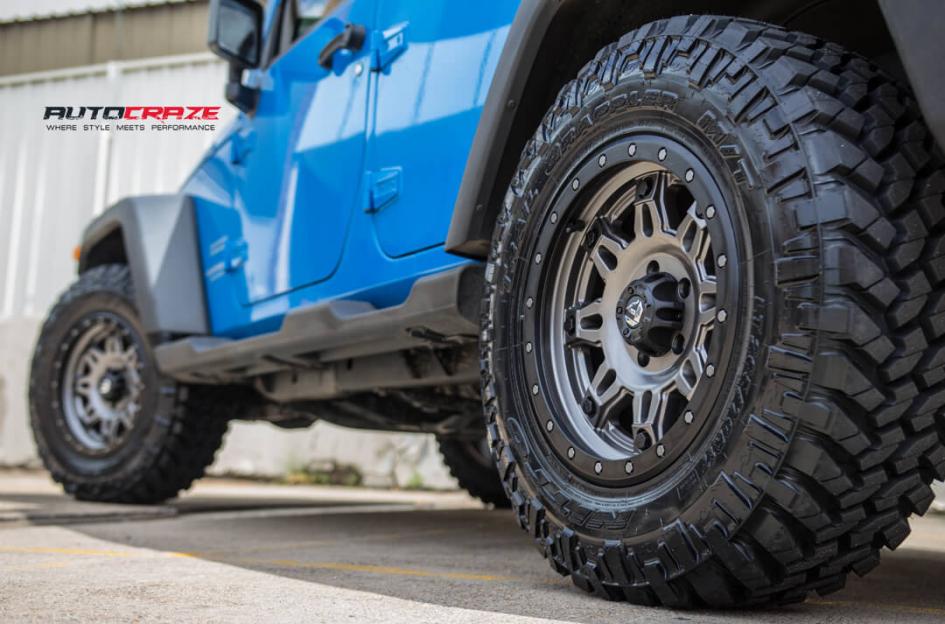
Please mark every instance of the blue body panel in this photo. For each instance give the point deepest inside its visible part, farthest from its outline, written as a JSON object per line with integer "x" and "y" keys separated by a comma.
{"x": 342, "y": 183}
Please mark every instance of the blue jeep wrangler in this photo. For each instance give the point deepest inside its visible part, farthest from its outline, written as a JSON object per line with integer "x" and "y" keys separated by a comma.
{"x": 690, "y": 267}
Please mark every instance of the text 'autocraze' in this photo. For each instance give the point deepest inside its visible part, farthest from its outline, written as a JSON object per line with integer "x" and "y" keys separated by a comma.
{"x": 162, "y": 114}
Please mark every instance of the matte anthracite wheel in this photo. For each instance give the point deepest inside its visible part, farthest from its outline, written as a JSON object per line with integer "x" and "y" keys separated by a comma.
{"x": 471, "y": 463}
{"x": 713, "y": 356}
{"x": 108, "y": 425}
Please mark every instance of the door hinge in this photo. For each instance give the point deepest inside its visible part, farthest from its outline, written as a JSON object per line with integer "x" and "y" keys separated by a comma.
{"x": 387, "y": 45}
{"x": 383, "y": 188}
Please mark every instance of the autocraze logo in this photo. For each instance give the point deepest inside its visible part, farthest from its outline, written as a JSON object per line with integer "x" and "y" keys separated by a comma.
{"x": 131, "y": 118}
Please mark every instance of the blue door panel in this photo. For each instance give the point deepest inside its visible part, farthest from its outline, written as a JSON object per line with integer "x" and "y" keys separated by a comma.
{"x": 428, "y": 105}
{"x": 286, "y": 203}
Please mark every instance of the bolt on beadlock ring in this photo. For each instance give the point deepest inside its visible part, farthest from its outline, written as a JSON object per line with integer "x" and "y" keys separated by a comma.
{"x": 632, "y": 310}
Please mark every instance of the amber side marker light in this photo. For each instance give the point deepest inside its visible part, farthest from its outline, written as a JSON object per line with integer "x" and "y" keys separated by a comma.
{"x": 77, "y": 252}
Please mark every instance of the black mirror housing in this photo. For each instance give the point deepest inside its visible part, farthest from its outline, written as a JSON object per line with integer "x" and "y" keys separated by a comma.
{"x": 235, "y": 32}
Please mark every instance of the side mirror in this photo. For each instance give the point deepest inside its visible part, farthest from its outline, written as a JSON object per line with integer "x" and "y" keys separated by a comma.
{"x": 235, "y": 32}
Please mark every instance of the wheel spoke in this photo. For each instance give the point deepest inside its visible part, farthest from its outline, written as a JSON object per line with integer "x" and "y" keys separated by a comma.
{"x": 692, "y": 234}
{"x": 689, "y": 373}
{"x": 85, "y": 412}
{"x": 130, "y": 356}
{"x": 649, "y": 215}
{"x": 109, "y": 430}
{"x": 707, "y": 292}
{"x": 649, "y": 411}
{"x": 607, "y": 249}
{"x": 586, "y": 327}
{"x": 92, "y": 358}
{"x": 605, "y": 385}
{"x": 126, "y": 416}
{"x": 113, "y": 346}
{"x": 84, "y": 385}
{"x": 646, "y": 219}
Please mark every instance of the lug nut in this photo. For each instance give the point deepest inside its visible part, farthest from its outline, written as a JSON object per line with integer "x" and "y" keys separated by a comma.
{"x": 602, "y": 160}
{"x": 598, "y": 467}
{"x": 632, "y": 149}
{"x": 689, "y": 175}
{"x": 641, "y": 440}
{"x": 722, "y": 261}
{"x": 575, "y": 184}
{"x": 688, "y": 416}
{"x": 529, "y": 302}
{"x": 554, "y": 217}
{"x": 571, "y": 452}
{"x": 710, "y": 370}
{"x": 528, "y": 347}
{"x": 710, "y": 212}
{"x": 625, "y": 332}
{"x": 628, "y": 467}
{"x": 661, "y": 154}
{"x": 721, "y": 316}
{"x": 549, "y": 426}
{"x": 660, "y": 450}
{"x": 537, "y": 258}
{"x": 587, "y": 405}
{"x": 535, "y": 389}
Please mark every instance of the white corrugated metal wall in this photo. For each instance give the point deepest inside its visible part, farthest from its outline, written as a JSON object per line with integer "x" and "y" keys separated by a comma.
{"x": 52, "y": 183}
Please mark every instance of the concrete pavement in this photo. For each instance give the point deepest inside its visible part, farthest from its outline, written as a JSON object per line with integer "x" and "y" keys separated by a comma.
{"x": 237, "y": 551}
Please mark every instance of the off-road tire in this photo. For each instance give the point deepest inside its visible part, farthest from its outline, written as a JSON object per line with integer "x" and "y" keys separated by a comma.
{"x": 834, "y": 427}
{"x": 174, "y": 438}
{"x": 475, "y": 471}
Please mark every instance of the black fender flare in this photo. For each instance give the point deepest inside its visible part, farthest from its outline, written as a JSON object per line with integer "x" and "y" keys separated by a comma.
{"x": 159, "y": 238}
{"x": 916, "y": 30}
{"x": 474, "y": 213}
{"x": 913, "y": 27}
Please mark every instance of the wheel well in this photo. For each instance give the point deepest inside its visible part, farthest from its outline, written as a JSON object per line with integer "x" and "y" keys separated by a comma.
{"x": 110, "y": 249}
{"x": 582, "y": 27}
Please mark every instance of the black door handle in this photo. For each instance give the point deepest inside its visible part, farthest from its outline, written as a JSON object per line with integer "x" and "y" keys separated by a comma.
{"x": 351, "y": 38}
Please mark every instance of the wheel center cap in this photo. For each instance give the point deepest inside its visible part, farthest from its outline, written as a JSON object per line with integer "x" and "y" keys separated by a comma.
{"x": 650, "y": 313}
{"x": 111, "y": 387}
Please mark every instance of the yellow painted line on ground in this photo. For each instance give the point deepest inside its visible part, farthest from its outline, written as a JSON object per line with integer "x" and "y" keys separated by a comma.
{"x": 371, "y": 569}
{"x": 286, "y": 563}
{"x": 847, "y": 604}
{"x": 77, "y": 552}
{"x": 276, "y": 546}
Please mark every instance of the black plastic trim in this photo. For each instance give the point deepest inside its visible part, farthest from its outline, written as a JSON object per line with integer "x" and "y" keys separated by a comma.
{"x": 333, "y": 330}
{"x": 916, "y": 28}
{"x": 471, "y": 225}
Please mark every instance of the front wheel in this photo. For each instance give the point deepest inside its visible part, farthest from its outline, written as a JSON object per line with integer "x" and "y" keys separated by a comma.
{"x": 711, "y": 364}
{"x": 107, "y": 424}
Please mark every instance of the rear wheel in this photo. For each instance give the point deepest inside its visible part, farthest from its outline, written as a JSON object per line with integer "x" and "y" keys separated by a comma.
{"x": 470, "y": 462}
{"x": 713, "y": 356}
{"x": 107, "y": 424}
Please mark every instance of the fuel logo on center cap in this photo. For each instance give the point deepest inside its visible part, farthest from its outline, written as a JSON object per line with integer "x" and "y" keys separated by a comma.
{"x": 634, "y": 315}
